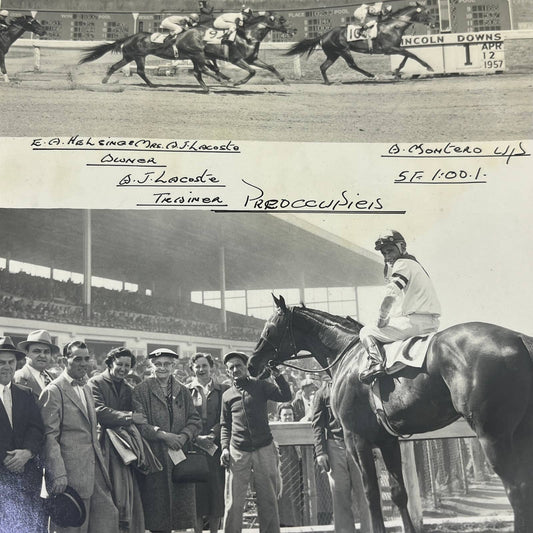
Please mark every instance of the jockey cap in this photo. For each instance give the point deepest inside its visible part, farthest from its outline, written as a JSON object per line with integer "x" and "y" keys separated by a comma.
{"x": 390, "y": 236}
{"x": 4, "y": 13}
{"x": 194, "y": 17}
{"x": 246, "y": 11}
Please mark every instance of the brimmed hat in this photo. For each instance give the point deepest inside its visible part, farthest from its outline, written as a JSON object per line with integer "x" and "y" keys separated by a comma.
{"x": 67, "y": 508}
{"x": 160, "y": 352}
{"x": 307, "y": 383}
{"x": 6, "y": 345}
{"x": 242, "y": 356}
{"x": 40, "y": 336}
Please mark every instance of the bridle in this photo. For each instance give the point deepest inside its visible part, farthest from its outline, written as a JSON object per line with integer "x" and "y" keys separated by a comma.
{"x": 294, "y": 350}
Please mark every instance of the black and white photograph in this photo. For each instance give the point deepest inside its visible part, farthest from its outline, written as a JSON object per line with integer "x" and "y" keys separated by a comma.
{"x": 266, "y": 266}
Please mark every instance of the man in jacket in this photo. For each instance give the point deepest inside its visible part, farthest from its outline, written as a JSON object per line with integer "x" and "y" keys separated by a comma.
{"x": 39, "y": 351}
{"x": 21, "y": 438}
{"x": 248, "y": 448}
{"x": 72, "y": 453}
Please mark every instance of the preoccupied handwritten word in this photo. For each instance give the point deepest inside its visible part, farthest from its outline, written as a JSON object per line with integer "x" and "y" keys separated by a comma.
{"x": 503, "y": 150}
{"x": 95, "y": 143}
{"x": 154, "y": 179}
{"x": 256, "y": 200}
{"x": 440, "y": 176}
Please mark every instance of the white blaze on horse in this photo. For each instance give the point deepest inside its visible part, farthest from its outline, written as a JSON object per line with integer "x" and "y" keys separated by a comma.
{"x": 478, "y": 371}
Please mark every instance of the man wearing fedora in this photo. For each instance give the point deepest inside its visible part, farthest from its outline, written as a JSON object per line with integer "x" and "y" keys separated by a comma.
{"x": 39, "y": 351}
{"x": 72, "y": 454}
{"x": 21, "y": 439}
{"x": 248, "y": 448}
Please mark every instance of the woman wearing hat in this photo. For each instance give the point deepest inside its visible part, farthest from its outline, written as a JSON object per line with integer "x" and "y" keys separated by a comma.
{"x": 112, "y": 399}
{"x": 172, "y": 422}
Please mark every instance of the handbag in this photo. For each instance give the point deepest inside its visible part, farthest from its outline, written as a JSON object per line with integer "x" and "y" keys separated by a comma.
{"x": 194, "y": 469}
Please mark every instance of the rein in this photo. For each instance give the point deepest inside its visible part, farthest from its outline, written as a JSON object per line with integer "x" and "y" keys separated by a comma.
{"x": 294, "y": 350}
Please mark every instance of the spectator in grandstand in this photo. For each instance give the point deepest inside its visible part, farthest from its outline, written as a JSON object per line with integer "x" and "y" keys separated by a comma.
{"x": 248, "y": 448}
{"x": 332, "y": 457}
{"x": 112, "y": 399}
{"x": 40, "y": 352}
{"x": 72, "y": 454}
{"x": 206, "y": 12}
{"x": 290, "y": 501}
{"x": 303, "y": 402}
{"x": 207, "y": 398}
{"x": 172, "y": 423}
{"x": 21, "y": 439}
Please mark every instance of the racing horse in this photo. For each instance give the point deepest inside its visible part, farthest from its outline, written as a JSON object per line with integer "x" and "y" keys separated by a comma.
{"x": 191, "y": 45}
{"x": 244, "y": 51}
{"x": 335, "y": 42}
{"x": 479, "y": 371}
{"x": 17, "y": 27}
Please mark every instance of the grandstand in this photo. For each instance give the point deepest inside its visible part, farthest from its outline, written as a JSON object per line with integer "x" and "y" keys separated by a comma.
{"x": 164, "y": 257}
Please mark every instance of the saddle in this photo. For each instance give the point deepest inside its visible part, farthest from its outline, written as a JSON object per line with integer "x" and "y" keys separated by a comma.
{"x": 408, "y": 352}
{"x": 158, "y": 37}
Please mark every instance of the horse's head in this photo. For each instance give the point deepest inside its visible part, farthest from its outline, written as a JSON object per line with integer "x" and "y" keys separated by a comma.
{"x": 277, "y": 342}
{"x": 272, "y": 22}
{"x": 28, "y": 23}
{"x": 423, "y": 16}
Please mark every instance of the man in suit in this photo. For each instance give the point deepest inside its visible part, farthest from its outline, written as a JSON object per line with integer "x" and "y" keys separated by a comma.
{"x": 39, "y": 351}
{"x": 72, "y": 454}
{"x": 21, "y": 438}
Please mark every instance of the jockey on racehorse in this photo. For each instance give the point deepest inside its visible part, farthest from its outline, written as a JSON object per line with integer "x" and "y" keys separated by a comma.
{"x": 176, "y": 24}
{"x": 4, "y": 25}
{"x": 232, "y": 22}
{"x": 367, "y": 17}
{"x": 410, "y": 285}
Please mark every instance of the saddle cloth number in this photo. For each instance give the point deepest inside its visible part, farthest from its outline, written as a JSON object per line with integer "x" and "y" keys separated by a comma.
{"x": 214, "y": 36}
{"x": 352, "y": 33}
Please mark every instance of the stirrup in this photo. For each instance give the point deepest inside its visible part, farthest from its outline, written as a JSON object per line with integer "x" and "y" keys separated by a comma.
{"x": 371, "y": 373}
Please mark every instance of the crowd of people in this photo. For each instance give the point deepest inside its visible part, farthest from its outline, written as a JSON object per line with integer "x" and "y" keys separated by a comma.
{"x": 109, "y": 439}
{"x": 37, "y": 298}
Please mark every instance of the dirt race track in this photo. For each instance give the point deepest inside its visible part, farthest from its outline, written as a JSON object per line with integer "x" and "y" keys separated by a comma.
{"x": 64, "y": 99}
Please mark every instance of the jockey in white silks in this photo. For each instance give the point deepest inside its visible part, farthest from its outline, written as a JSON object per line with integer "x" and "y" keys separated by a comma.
{"x": 368, "y": 16}
{"x": 3, "y": 19}
{"x": 231, "y": 22}
{"x": 177, "y": 24}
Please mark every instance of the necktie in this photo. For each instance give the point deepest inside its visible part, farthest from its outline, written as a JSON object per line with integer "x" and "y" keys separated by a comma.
{"x": 6, "y": 398}
{"x": 46, "y": 378}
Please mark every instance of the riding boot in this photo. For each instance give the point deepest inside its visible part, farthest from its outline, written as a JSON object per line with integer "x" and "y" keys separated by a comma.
{"x": 376, "y": 360}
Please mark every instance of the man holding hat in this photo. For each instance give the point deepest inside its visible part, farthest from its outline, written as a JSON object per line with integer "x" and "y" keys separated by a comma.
{"x": 72, "y": 454}
{"x": 39, "y": 351}
{"x": 21, "y": 438}
{"x": 248, "y": 448}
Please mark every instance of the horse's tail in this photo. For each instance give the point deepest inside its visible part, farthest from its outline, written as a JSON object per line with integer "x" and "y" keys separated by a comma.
{"x": 96, "y": 52}
{"x": 305, "y": 46}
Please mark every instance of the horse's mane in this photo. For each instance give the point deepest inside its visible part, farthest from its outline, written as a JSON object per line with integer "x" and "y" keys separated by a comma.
{"x": 346, "y": 325}
{"x": 20, "y": 18}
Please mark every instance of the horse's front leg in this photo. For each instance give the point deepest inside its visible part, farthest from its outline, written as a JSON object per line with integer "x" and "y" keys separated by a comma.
{"x": 251, "y": 72}
{"x": 261, "y": 64}
{"x": 408, "y": 55}
{"x": 213, "y": 65}
{"x": 3, "y": 68}
{"x": 390, "y": 450}
{"x": 362, "y": 450}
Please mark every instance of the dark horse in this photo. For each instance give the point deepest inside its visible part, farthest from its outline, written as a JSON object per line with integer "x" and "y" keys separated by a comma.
{"x": 476, "y": 370}
{"x": 192, "y": 45}
{"x": 244, "y": 51}
{"x": 17, "y": 27}
{"x": 335, "y": 42}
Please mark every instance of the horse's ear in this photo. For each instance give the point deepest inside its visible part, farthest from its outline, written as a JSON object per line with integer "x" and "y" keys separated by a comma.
{"x": 280, "y": 302}
{"x": 303, "y": 305}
